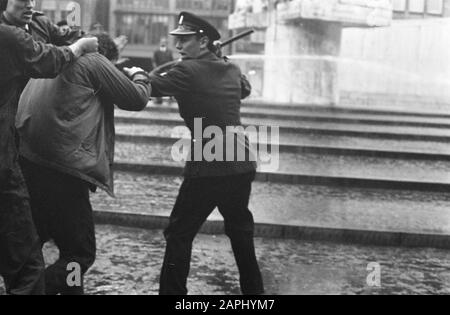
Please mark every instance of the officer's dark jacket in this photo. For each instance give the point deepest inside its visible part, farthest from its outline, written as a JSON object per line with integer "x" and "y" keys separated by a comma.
{"x": 21, "y": 58}
{"x": 43, "y": 30}
{"x": 209, "y": 88}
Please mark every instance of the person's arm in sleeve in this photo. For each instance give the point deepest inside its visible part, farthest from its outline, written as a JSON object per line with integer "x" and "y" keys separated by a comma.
{"x": 58, "y": 36}
{"x": 175, "y": 82}
{"x": 246, "y": 87}
{"x": 130, "y": 95}
{"x": 41, "y": 60}
{"x": 37, "y": 59}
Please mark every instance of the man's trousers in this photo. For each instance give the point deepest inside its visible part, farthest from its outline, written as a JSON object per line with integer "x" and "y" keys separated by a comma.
{"x": 196, "y": 201}
{"x": 21, "y": 261}
{"x": 62, "y": 212}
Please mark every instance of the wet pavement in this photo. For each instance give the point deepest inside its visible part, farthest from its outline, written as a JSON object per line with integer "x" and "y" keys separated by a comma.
{"x": 298, "y": 205}
{"x": 129, "y": 262}
{"x": 310, "y": 164}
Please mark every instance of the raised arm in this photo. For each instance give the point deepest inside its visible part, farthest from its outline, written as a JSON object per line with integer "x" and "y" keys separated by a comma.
{"x": 130, "y": 95}
{"x": 41, "y": 60}
{"x": 63, "y": 38}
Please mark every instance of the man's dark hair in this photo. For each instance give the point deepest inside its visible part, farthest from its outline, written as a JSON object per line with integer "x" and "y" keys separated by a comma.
{"x": 62, "y": 23}
{"x": 3, "y": 5}
{"x": 106, "y": 45}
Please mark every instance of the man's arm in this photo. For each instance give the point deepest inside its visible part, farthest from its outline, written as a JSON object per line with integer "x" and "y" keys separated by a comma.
{"x": 174, "y": 83}
{"x": 40, "y": 60}
{"x": 130, "y": 95}
{"x": 58, "y": 36}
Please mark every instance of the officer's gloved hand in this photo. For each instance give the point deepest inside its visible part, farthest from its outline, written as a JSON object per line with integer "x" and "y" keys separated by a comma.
{"x": 84, "y": 46}
{"x": 134, "y": 72}
{"x": 218, "y": 48}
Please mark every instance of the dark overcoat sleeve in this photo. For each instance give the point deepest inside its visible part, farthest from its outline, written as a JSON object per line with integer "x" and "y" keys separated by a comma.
{"x": 130, "y": 95}
{"x": 58, "y": 37}
{"x": 176, "y": 82}
{"x": 37, "y": 59}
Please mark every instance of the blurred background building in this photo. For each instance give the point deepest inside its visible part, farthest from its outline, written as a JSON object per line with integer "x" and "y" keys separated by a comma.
{"x": 144, "y": 22}
{"x": 384, "y": 50}
{"x": 402, "y": 59}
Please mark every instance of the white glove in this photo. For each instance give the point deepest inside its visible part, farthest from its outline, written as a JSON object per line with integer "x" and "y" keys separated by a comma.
{"x": 218, "y": 45}
{"x": 84, "y": 46}
{"x": 131, "y": 72}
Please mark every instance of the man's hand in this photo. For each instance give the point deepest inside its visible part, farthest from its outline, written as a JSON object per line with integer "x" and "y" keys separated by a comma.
{"x": 84, "y": 46}
{"x": 218, "y": 50}
{"x": 131, "y": 72}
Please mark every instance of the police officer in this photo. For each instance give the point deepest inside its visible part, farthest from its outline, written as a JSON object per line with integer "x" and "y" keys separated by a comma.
{"x": 21, "y": 262}
{"x": 21, "y": 13}
{"x": 209, "y": 90}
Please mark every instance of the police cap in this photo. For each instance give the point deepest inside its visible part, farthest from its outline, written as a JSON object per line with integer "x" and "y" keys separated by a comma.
{"x": 190, "y": 24}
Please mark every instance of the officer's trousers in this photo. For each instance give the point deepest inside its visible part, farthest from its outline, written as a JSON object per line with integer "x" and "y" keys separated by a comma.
{"x": 196, "y": 201}
{"x": 21, "y": 261}
{"x": 62, "y": 212}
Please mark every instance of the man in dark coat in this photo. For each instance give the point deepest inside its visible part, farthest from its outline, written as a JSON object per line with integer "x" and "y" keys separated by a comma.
{"x": 21, "y": 13}
{"x": 21, "y": 262}
{"x": 63, "y": 159}
{"x": 209, "y": 90}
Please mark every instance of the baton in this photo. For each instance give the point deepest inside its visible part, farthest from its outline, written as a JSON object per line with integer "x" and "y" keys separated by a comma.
{"x": 237, "y": 37}
{"x": 165, "y": 67}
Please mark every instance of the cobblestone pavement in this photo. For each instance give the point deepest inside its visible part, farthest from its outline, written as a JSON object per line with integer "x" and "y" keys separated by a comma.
{"x": 129, "y": 262}
{"x": 320, "y": 206}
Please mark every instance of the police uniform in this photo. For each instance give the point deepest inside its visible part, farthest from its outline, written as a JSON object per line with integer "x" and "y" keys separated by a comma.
{"x": 21, "y": 262}
{"x": 209, "y": 88}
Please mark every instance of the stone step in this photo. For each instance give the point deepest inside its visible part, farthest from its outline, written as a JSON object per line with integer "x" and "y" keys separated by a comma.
{"x": 329, "y": 117}
{"x": 294, "y": 211}
{"x": 373, "y": 111}
{"x": 308, "y": 168}
{"x": 141, "y": 132}
{"x": 308, "y": 148}
{"x": 292, "y": 126}
{"x": 353, "y": 109}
